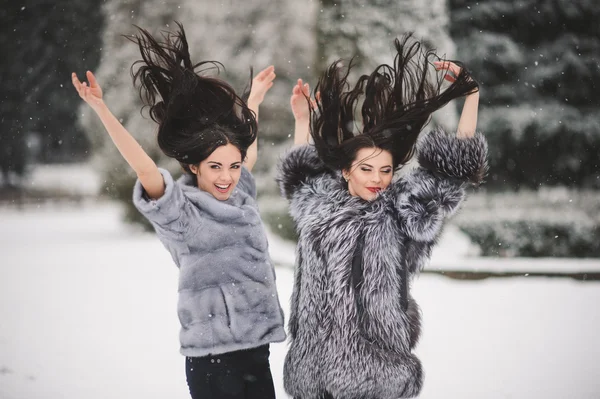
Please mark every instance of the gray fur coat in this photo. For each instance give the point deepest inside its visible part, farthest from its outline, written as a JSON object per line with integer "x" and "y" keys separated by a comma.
{"x": 356, "y": 341}
{"x": 227, "y": 294}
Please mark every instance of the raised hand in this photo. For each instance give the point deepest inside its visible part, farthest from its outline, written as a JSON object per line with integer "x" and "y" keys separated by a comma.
{"x": 300, "y": 101}
{"x": 261, "y": 85}
{"x": 92, "y": 93}
{"x": 452, "y": 70}
{"x": 468, "y": 117}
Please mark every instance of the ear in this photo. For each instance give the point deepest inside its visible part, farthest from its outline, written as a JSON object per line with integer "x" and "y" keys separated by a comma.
{"x": 194, "y": 169}
{"x": 345, "y": 174}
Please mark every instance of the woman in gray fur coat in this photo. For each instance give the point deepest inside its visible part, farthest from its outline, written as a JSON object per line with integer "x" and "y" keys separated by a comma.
{"x": 208, "y": 219}
{"x": 362, "y": 237}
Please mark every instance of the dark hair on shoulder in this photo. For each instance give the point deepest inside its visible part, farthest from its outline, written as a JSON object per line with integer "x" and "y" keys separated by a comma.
{"x": 397, "y": 103}
{"x": 196, "y": 113}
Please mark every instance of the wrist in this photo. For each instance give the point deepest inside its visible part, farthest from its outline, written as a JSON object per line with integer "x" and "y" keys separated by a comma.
{"x": 98, "y": 105}
{"x": 301, "y": 119}
{"x": 253, "y": 103}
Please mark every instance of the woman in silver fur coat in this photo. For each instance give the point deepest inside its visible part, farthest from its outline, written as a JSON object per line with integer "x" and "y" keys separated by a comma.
{"x": 362, "y": 237}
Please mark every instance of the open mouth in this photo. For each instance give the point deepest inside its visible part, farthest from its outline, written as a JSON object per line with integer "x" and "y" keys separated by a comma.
{"x": 222, "y": 188}
{"x": 374, "y": 189}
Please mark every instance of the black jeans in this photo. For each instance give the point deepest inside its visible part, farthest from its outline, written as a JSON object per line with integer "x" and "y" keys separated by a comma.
{"x": 244, "y": 374}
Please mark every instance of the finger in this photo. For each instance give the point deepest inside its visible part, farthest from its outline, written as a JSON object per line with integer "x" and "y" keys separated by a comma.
{"x": 270, "y": 77}
{"x": 265, "y": 72}
{"x": 455, "y": 69}
{"x": 300, "y": 83}
{"x": 318, "y": 96}
{"x": 92, "y": 79}
{"x": 450, "y": 76}
{"x": 441, "y": 65}
{"x": 306, "y": 90}
{"x": 75, "y": 81}
{"x": 296, "y": 90}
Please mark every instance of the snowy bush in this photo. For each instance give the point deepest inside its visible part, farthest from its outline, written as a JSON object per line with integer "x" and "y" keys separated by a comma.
{"x": 538, "y": 66}
{"x": 531, "y": 146}
{"x": 555, "y": 222}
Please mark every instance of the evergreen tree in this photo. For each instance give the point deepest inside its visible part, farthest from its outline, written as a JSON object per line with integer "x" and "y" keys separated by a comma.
{"x": 538, "y": 64}
{"x": 253, "y": 33}
{"x": 42, "y": 41}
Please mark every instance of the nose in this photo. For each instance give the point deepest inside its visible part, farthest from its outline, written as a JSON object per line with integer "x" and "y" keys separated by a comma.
{"x": 225, "y": 176}
{"x": 377, "y": 177}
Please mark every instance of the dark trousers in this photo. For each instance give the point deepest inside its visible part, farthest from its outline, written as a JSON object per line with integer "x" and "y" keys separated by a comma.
{"x": 244, "y": 374}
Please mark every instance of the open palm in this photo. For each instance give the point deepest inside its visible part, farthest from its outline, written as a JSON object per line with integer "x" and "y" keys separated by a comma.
{"x": 299, "y": 100}
{"x": 261, "y": 85}
{"x": 92, "y": 93}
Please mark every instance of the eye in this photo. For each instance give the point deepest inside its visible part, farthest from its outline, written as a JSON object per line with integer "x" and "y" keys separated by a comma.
{"x": 235, "y": 166}
{"x": 386, "y": 171}
{"x": 214, "y": 166}
{"x": 365, "y": 169}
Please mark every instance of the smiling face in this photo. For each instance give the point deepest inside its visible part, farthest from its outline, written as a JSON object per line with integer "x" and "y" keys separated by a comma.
{"x": 220, "y": 172}
{"x": 370, "y": 173}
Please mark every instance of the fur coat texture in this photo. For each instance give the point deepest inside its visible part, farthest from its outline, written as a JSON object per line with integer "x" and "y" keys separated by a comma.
{"x": 356, "y": 341}
{"x": 227, "y": 294}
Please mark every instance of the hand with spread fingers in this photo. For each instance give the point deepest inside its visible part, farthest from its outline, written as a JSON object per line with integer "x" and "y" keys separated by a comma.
{"x": 92, "y": 93}
{"x": 300, "y": 101}
{"x": 301, "y": 104}
{"x": 261, "y": 85}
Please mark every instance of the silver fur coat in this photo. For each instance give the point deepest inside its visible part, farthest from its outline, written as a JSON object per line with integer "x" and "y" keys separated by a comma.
{"x": 356, "y": 341}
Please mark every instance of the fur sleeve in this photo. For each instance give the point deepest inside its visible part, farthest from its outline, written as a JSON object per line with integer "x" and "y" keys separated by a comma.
{"x": 165, "y": 212}
{"x": 296, "y": 167}
{"x": 435, "y": 190}
{"x": 450, "y": 157}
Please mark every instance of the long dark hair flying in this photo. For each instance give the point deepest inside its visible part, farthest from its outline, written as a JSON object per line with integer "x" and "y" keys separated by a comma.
{"x": 397, "y": 103}
{"x": 196, "y": 113}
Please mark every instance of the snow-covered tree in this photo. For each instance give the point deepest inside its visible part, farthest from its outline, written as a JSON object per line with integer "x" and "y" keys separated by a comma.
{"x": 367, "y": 29}
{"x": 40, "y": 43}
{"x": 537, "y": 61}
{"x": 240, "y": 34}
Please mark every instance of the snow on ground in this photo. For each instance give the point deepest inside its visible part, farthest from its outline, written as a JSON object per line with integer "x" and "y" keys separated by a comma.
{"x": 79, "y": 178}
{"x": 88, "y": 310}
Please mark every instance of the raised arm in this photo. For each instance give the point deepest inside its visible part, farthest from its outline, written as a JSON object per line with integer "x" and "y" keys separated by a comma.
{"x": 300, "y": 109}
{"x": 467, "y": 124}
{"x": 301, "y": 164}
{"x": 130, "y": 149}
{"x": 448, "y": 164}
{"x": 260, "y": 85}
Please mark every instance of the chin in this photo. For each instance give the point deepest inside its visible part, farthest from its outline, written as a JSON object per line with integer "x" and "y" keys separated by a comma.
{"x": 369, "y": 196}
{"x": 221, "y": 196}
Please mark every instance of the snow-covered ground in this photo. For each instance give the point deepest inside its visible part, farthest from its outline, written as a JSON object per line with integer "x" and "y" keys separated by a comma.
{"x": 87, "y": 310}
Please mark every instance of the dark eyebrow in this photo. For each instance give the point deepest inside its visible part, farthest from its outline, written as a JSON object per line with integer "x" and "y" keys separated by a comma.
{"x": 386, "y": 166}
{"x": 220, "y": 164}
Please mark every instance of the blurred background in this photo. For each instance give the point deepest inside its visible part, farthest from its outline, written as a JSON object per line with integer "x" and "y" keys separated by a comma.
{"x": 65, "y": 192}
{"x": 537, "y": 62}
